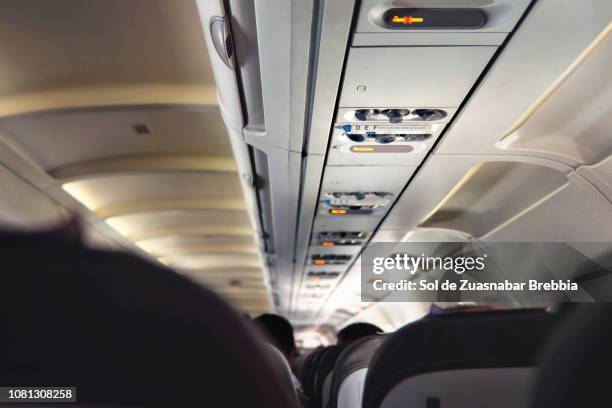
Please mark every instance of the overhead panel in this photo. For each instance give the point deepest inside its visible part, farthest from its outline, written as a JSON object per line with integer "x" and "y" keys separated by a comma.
{"x": 401, "y": 77}
{"x": 407, "y": 72}
{"x": 385, "y": 136}
{"x": 443, "y": 22}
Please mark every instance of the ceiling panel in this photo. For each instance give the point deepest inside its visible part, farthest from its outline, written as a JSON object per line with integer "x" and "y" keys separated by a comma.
{"x": 166, "y": 244}
{"x": 168, "y": 189}
{"x": 75, "y": 43}
{"x": 59, "y": 139}
{"x": 168, "y": 222}
{"x": 211, "y": 261}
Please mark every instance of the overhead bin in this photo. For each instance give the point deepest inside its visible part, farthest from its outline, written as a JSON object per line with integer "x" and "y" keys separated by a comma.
{"x": 600, "y": 175}
{"x": 485, "y": 197}
{"x": 412, "y": 76}
{"x": 572, "y": 118}
{"x": 544, "y": 111}
{"x": 267, "y": 84}
{"x": 471, "y": 194}
{"x": 578, "y": 212}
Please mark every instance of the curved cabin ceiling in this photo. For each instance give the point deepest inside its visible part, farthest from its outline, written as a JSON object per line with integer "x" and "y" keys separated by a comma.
{"x": 115, "y": 103}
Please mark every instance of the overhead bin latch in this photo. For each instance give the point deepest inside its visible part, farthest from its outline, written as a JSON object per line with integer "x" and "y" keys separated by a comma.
{"x": 221, "y": 36}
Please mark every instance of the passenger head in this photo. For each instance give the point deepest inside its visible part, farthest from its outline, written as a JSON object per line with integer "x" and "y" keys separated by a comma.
{"x": 279, "y": 332}
{"x": 124, "y": 331}
{"x": 356, "y": 331}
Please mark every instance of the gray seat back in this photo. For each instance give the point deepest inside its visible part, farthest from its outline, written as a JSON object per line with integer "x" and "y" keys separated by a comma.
{"x": 487, "y": 387}
{"x": 458, "y": 360}
{"x": 347, "y": 389}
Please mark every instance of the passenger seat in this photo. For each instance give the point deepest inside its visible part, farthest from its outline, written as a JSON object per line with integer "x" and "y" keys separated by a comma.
{"x": 576, "y": 367}
{"x": 322, "y": 381}
{"x": 350, "y": 372}
{"x": 460, "y": 360}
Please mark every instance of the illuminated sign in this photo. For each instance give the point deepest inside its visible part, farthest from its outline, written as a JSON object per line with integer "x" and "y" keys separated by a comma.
{"x": 400, "y": 148}
{"x": 434, "y": 18}
{"x": 407, "y": 19}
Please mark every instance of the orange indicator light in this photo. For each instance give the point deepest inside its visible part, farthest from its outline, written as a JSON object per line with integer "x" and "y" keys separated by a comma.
{"x": 337, "y": 211}
{"x": 407, "y": 19}
{"x": 361, "y": 149}
{"x": 328, "y": 244}
{"x": 320, "y": 262}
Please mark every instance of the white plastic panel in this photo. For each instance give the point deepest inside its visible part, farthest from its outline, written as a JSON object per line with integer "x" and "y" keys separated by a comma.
{"x": 540, "y": 51}
{"x": 283, "y": 39}
{"x": 423, "y": 38}
{"x": 418, "y": 76}
{"x": 572, "y": 119}
{"x": 334, "y": 34}
{"x": 441, "y": 175}
{"x": 387, "y": 179}
{"x": 576, "y": 213}
{"x": 388, "y": 236}
{"x": 278, "y": 201}
{"x": 600, "y": 175}
{"x": 486, "y": 196}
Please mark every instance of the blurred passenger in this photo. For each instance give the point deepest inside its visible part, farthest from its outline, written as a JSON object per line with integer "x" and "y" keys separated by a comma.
{"x": 124, "y": 331}
{"x": 356, "y": 331}
{"x": 279, "y": 332}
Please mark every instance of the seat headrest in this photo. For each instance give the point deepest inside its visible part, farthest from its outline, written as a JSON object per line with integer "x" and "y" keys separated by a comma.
{"x": 456, "y": 341}
{"x": 124, "y": 331}
{"x": 576, "y": 366}
{"x": 311, "y": 365}
{"x": 355, "y": 356}
{"x": 325, "y": 367}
